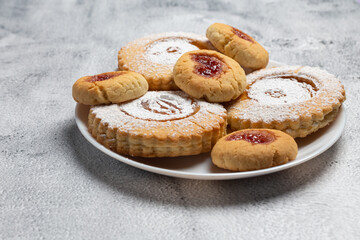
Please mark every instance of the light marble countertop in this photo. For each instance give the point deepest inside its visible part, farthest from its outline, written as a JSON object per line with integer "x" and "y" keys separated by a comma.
{"x": 55, "y": 185}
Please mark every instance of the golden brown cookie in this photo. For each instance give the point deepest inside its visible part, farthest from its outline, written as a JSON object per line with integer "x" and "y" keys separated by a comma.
{"x": 238, "y": 45}
{"x": 154, "y": 56}
{"x": 159, "y": 124}
{"x": 110, "y": 87}
{"x": 210, "y": 75}
{"x": 294, "y": 99}
{"x": 254, "y": 149}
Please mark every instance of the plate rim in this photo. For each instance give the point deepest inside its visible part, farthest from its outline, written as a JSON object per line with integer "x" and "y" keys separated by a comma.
{"x": 210, "y": 176}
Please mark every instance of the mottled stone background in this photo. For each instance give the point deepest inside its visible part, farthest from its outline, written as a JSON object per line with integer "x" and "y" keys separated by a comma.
{"x": 55, "y": 185}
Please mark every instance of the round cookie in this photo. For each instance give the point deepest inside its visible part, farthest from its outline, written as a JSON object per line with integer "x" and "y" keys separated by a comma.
{"x": 253, "y": 149}
{"x": 154, "y": 56}
{"x": 109, "y": 87}
{"x": 294, "y": 99}
{"x": 159, "y": 124}
{"x": 238, "y": 45}
{"x": 210, "y": 75}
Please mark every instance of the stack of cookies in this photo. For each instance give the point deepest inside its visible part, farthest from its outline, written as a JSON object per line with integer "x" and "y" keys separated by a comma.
{"x": 177, "y": 94}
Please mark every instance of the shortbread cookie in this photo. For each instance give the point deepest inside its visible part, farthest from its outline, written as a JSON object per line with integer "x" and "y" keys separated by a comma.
{"x": 238, "y": 45}
{"x": 210, "y": 75}
{"x": 294, "y": 99}
{"x": 254, "y": 149}
{"x": 110, "y": 87}
{"x": 159, "y": 124}
{"x": 154, "y": 56}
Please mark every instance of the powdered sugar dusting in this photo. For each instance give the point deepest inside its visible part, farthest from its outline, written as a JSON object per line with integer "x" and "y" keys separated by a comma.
{"x": 167, "y": 51}
{"x": 161, "y": 106}
{"x": 132, "y": 116}
{"x": 149, "y": 55}
{"x": 278, "y": 90}
{"x": 304, "y": 102}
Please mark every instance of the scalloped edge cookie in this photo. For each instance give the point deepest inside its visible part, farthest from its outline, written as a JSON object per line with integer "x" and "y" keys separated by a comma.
{"x": 133, "y": 56}
{"x": 297, "y": 119}
{"x": 119, "y": 129}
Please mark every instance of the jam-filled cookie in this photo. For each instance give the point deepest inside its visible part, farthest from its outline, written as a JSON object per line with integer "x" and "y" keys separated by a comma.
{"x": 210, "y": 75}
{"x": 110, "y": 87}
{"x": 254, "y": 149}
{"x": 159, "y": 124}
{"x": 294, "y": 99}
{"x": 154, "y": 56}
{"x": 238, "y": 45}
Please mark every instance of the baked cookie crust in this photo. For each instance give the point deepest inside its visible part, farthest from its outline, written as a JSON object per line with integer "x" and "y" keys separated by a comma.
{"x": 154, "y": 56}
{"x": 110, "y": 87}
{"x": 254, "y": 149}
{"x": 159, "y": 124}
{"x": 294, "y": 99}
{"x": 238, "y": 45}
{"x": 210, "y": 75}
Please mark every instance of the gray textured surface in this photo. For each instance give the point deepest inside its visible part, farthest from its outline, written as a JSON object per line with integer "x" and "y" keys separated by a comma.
{"x": 55, "y": 185}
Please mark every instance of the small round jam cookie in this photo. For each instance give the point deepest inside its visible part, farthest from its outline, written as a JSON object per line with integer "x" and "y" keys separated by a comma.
{"x": 109, "y": 87}
{"x": 210, "y": 75}
{"x": 154, "y": 56}
{"x": 238, "y": 45}
{"x": 159, "y": 124}
{"x": 254, "y": 149}
{"x": 294, "y": 99}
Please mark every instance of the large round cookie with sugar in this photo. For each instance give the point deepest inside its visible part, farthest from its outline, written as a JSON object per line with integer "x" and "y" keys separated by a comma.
{"x": 154, "y": 56}
{"x": 159, "y": 124}
{"x": 294, "y": 99}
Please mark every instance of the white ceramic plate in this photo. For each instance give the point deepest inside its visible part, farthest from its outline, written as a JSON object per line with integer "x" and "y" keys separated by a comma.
{"x": 201, "y": 167}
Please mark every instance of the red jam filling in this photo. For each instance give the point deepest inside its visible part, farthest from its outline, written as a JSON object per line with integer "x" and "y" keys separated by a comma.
{"x": 242, "y": 35}
{"x": 253, "y": 136}
{"x": 208, "y": 65}
{"x": 104, "y": 76}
